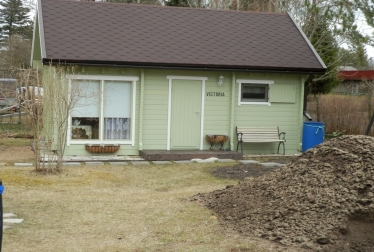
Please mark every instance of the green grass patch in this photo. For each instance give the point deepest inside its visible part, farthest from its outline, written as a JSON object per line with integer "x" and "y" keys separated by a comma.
{"x": 20, "y": 129}
{"x": 15, "y": 141}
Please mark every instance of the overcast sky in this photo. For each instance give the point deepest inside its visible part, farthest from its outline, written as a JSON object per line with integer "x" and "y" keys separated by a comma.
{"x": 364, "y": 28}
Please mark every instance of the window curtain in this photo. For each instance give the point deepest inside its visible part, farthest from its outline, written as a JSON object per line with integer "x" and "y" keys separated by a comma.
{"x": 117, "y": 128}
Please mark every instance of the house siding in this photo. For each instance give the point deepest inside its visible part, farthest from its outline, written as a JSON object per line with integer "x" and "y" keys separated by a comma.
{"x": 217, "y": 107}
{"x": 286, "y": 107}
{"x": 155, "y": 109}
{"x": 284, "y": 112}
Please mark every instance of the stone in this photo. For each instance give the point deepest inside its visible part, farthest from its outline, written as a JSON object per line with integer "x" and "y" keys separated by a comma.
{"x": 225, "y": 160}
{"x": 23, "y": 164}
{"x": 71, "y": 164}
{"x": 12, "y": 221}
{"x": 161, "y": 162}
{"x": 140, "y": 163}
{"x": 94, "y": 163}
{"x": 323, "y": 240}
{"x": 271, "y": 164}
{"x": 183, "y": 162}
{"x": 203, "y": 161}
{"x": 249, "y": 161}
{"x": 118, "y": 163}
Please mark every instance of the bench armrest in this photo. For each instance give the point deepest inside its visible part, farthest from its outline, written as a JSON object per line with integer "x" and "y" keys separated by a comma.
{"x": 239, "y": 135}
{"x": 283, "y": 135}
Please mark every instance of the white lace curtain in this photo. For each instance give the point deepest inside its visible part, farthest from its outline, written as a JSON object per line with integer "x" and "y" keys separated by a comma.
{"x": 116, "y": 128}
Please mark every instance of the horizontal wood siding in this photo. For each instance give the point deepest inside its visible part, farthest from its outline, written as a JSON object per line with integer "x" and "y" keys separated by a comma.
{"x": 285, "y": 109}
{"x": 155, "y": 113}
{"x": 283, "y": 93}
{"x": 284, "y": 112}
{"x": 217, "y": 107}
{"x": 156, "y": 90}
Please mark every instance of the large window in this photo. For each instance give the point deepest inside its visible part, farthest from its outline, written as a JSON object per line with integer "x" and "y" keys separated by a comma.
{"x": 86, "y": 112}
{"x": 254, "y": 92}
{"x": 103, "y": 111}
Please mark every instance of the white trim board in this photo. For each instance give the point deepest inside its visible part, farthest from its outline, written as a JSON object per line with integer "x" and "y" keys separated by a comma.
{"x": 33, "y": 39}
{"x": 41, "y": 30}
{"x": 176, "y": 77}
{"x": 249, "y": 81}
{"x": 102, "y": 79}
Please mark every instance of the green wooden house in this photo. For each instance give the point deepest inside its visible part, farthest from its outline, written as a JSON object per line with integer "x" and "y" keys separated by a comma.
{"x": 174, "y": 75}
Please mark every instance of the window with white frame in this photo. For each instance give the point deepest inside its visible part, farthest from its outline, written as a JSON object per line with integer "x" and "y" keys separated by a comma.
{"x": 103, "y": 111}
{"x": 254, "y": 91}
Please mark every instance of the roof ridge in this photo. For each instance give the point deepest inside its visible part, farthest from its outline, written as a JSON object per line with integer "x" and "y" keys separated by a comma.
{"x": 172, "y": 7}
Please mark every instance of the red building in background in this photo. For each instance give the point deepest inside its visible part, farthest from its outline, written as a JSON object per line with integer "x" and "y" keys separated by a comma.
{"x": 355, "y": 81}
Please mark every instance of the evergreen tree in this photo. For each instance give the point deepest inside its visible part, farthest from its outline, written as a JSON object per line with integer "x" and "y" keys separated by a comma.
{"x": 329, "y": 52}
{"x": 178, "y": 3}
{"x": 355, "y": 56}
{"x": 14, "y": 19}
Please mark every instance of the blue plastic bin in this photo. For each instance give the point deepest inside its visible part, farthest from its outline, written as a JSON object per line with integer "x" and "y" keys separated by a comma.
{"x": 313, "y": 134}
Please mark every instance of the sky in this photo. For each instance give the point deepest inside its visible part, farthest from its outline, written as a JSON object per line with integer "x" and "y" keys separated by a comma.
{"x": 370, "y": 51}
{"x": 362, "y": 26}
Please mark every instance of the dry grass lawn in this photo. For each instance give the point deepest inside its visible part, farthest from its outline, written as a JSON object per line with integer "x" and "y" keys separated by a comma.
{"x": 115, "y": 208}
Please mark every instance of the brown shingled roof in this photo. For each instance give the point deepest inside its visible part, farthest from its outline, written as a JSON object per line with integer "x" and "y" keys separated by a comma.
{"x": 143, "y": 35}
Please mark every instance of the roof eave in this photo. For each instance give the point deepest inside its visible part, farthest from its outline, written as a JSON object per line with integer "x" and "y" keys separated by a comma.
{"x": 307, "y": 41}
{"x": 47, "y": 61}
{"x": 41, "y": 29}
{"x": 33, "y": 38}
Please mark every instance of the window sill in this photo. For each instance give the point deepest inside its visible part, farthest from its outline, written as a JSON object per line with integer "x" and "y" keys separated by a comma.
{"x": 88, "y": 141}
{"x": 255, "y": 103}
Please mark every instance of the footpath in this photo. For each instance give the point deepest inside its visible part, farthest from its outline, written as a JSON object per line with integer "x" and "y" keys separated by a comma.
{"x": 142, "y": 162}
{"x": 10, "y": 219}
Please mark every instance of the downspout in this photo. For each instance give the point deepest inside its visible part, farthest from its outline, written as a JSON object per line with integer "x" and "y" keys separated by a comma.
{"x": 306, "y": 91}
{"x": 232, "y": 116}
{"x": 302, "y": 114}
{"x": 141, "y": 103}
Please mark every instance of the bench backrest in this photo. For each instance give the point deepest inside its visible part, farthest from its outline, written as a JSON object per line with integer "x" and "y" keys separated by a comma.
{"x": 258, "y": 133}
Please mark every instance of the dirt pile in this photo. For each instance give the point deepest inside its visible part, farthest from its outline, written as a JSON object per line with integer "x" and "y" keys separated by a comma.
{"x": 322, "y": 201}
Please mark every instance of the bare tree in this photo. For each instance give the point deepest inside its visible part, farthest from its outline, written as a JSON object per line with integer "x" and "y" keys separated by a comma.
{"x": 49, "y": 101}
{"x": 16, "y": 53}
{"x": 31, "y": 101}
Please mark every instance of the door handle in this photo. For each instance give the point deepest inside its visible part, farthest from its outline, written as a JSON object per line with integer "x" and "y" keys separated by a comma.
{"x": 198, "y": 113}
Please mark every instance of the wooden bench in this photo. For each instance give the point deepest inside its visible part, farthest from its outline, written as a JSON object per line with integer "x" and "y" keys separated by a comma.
{"x": 260, "y": 135}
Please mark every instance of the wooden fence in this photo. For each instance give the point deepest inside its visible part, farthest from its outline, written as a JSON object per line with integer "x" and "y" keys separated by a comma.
{"x": 342, "y": 112}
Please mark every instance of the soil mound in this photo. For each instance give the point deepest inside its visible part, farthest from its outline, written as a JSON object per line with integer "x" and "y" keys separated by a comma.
{"x": 322, "y": 201}
{"x": 242, "y": 171}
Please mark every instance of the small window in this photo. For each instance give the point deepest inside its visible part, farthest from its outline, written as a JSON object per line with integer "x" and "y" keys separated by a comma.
{"x": 254, "y": 92}
{"x": 355, "y": 88}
